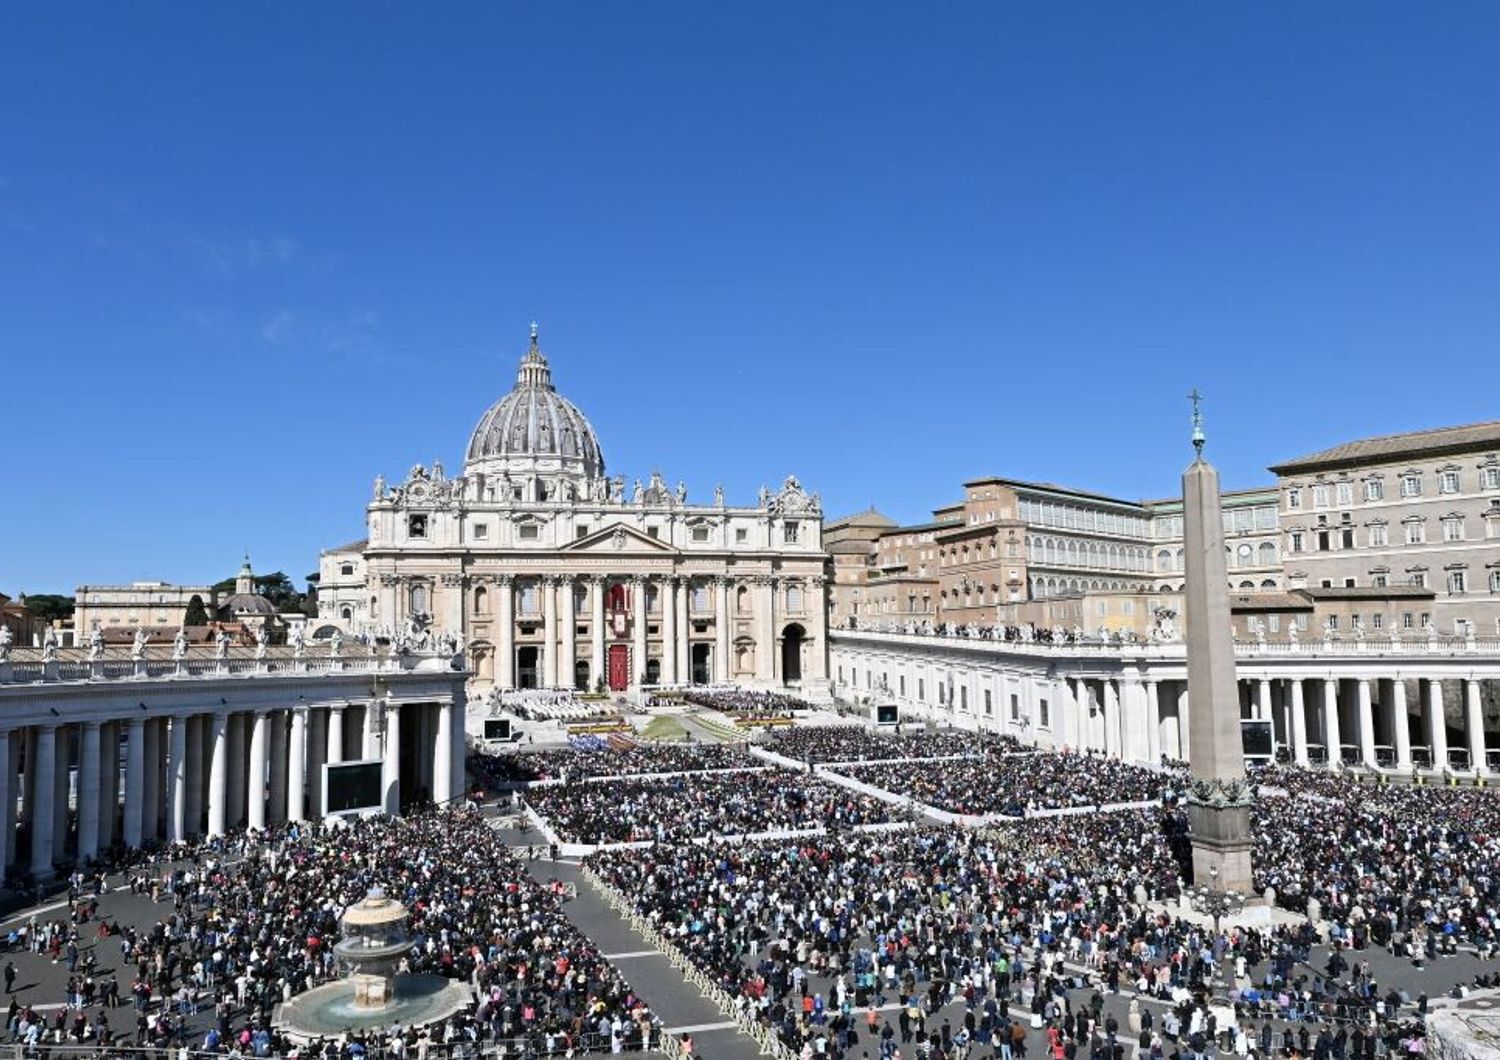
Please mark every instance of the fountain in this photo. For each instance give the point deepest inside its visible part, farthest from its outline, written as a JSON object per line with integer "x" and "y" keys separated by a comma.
{"x": 375, "y": 994}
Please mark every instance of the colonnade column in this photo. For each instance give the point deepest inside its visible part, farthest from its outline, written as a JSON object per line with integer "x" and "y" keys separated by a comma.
{"x": 276, "y": 808}
{"x": 235, "y": 800}
{"x": 668, "y": 598}
{"x": 1437, "y": 724}
{"x": 442, "y": 751}
{"x": 391, "y": 773}
{"x": 1263, "y": 704}
{"x": 505, "y": 652}
{"x": 296, "y": 767}
{"x": 1474, "y": 721}
{"x": 260, "y": 739}
{"x": 1332, "y": 737}
{"x": 1299, "y": 722}
{"x": 1111, "y": 719}
{"x": 151, "y": 803}
{"x": 684, "y": 628}
{"x": 177, "y": 752}
{"x": 88, "y": 792}
{"x": 1366, "y": 725}
{"x": 218, "y": 778}
{"x": 7, "y": 801}
{"x": 597, "y": 587}
{"x": 109, "y": 786}
{"x": 722, "y": 588}
{"x": 1400, "y": 724}
{"x": 548, "y": 678}
{"x": 638, "y": 631}
{"x": 135, "y": 781}
{"x": 1153, "y": 722}
{"x": 569, "y": 633}
{"x": 1182, "y": 722}
{"x": 335, "y": 734}
{"x": 43, "y": 795}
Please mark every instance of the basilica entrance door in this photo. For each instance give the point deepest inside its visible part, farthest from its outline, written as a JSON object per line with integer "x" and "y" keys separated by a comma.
{"x": 619, "y": 667}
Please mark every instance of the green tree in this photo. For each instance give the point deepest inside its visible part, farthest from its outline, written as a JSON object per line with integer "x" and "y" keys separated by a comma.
{"x": 49, "y": 606}
{"x": 197, "y": 614}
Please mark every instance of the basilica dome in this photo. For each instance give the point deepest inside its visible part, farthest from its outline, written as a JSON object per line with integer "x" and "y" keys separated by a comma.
{"x": 532, "y": 424}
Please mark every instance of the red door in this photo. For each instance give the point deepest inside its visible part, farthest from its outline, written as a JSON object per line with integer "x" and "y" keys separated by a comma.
{"x": 619, "y": 667}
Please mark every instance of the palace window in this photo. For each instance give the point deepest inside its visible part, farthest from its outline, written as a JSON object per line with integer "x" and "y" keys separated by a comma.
{"x": 1380, "y": 581}
{"x": 1294, "y": 497}
{"x": 1320, "y": 496}
{"x": 989, "y": 706}
{"x": 1458, "y": 581}
{"x": 1377, "y": 621}
{"x": 1448, "y": 482}
{"x": 700, "y": 534}
{"x": 1296, "y": 541}
{"x": 1492, "y": 524}
{"x": 528, "y": 531}
{"x": 1346, "y": 492}
{"x": 1492, "y": 478}
{"x": 1374, "y": 489}
{"x": 481, "y": 601}
{"x": 347, "y": 569}
{"x": 1416, "y": 533}
{"x": 700, "y": 598}
{"x": 481, "y": 531}
{"x": 1411, "y": 485}
{"x": 1453, "y": 528}
{"x": 789, "y": 533}
{"x": 1495, "y": 581}
{"x": 418, "y": 599}
{"x": 794, "y": 598}
{"x": 1419, "y": 579}
{"x": 741, "y": 535}
{"x": 1379, "y": 537}
{"x": 529, "y": 596}
{"x": 1407, "y": 621}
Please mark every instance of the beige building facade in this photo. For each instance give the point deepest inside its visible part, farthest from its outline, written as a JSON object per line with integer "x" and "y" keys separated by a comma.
{"x": 141, "y": 605}
{"x": 1418, "y": 510}
{"x": 555, "y": 575}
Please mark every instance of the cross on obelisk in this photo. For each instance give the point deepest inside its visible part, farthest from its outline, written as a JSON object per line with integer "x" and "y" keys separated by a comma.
{"x": 1218, "y": 797}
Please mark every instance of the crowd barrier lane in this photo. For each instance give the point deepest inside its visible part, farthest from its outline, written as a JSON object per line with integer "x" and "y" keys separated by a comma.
{"x": 612, "y": 777}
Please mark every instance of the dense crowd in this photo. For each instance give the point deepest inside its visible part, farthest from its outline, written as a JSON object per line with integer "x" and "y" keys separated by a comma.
{"x": 1014, "y": 784}
{"x": 1413, "y": 868}
{"x": 593, "y": 757}
{"x": 856, "y": 743}
{"x": 747, "y": 703}
{"x": 253, "y": 921}
{"x": 705, "y": 804}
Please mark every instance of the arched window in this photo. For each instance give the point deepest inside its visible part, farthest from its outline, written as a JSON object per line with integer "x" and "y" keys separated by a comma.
{"x": 794, "y": 598}
{"x": 481, "y": 601}
{"x": 742, "y": 600}
{"x": 346, "y": 613}
{"x": 418, "y": 599}
{"x": 1267, "y": 553}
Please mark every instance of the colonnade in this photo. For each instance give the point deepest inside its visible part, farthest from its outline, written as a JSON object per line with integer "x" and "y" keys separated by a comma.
{"x": 76, "y": 788}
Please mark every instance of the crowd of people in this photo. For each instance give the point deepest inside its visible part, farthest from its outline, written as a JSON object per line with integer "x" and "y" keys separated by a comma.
{"x": 857, "y": 743}
{"x": 593, "y": 756}
{"x": 250, "y": 921}
{"x": 744, "y": 702}
{"x": 1014, "y": 784}
{"x": 673, "y": 809}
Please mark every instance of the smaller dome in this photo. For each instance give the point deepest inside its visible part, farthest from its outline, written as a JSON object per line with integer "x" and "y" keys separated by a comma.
{"x": 247, "y": 604}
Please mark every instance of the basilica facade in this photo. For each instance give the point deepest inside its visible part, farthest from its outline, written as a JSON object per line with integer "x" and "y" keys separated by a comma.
{"x": 553, "y": 574}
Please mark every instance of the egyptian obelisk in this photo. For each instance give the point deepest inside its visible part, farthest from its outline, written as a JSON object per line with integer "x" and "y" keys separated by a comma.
{"x": 1218, "y": 797}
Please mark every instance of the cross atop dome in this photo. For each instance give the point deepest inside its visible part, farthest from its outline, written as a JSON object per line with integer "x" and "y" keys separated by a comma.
{"x": 534, "y": 370}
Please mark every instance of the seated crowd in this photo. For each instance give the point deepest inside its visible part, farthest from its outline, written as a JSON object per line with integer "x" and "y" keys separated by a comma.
{"x": 677, "y": 808}
{"x": 593, "y": 757}
{"x": 856, "y": 743}
{"x": 745, "y": 702}
{"x": 1012, "y": 785}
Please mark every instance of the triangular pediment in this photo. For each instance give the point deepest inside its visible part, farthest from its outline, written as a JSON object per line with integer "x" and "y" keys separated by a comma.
{"x": 618, "y": 538}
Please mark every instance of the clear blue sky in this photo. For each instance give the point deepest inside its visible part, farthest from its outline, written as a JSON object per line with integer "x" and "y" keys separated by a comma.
{"x": 254, "y": 255}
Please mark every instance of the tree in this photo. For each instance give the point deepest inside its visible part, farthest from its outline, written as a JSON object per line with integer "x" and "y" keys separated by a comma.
{"x": 48, "y": 606}
{"x": 310, "y": 598}
{"x": 197, "y": 614}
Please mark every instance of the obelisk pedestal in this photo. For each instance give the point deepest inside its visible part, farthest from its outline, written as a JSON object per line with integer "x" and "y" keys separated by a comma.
{"x": 1219, "y": 796}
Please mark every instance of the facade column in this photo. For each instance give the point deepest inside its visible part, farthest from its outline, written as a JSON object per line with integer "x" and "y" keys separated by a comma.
{"x": 44, "y": 765}
{"x": 1111, "y": 719}
{"x": 1153, "y": 722}
{"x": 1400, "y": 724}
{"x": 314, "y": 754}
{"x": 1264, "y": 709}
{"x": 391, "y": 772}
{"x": 569, "y": 654}
{"x": 296, "y": 766}
{"x": 88, "y": 792}
{"x": 335, "y": 734}
{"x": 684, "y": 629}
{"x": 765, "y": 649}
{"x": 668, "y": 597}
{"x": 442, "y": 750}
{"x": 505, "y": 620}
{"x": 722, "y": 591}
{"x": 597, "y": 587}
{"x": 177, "y": 747}
{"x": 151, "y": 814}
{"x": 276, "y": 799}
{"x": 372, "y": 732}
{"x": 1182, "y": 722}
{"x": 1474, "y": 720}
{"x": 135, "y": 781}
{"x": 260, "y": 740}
{"x": 1299, "y": 722}
{"x": 236, "y": 800}
{"x": 638, "y": 633}
{"x": 218, "y": 775}
{"x": 109, "y": 783}
{"x": 1332, "y": 737}
{"x": 548, "y": 676}
{"x": 7, "y": 801}
{"x": 1437, "y": 723}
{"x": 60, "y": 766}
{"x": 1132, "y": 720}
{"x": 1366, "y": 725}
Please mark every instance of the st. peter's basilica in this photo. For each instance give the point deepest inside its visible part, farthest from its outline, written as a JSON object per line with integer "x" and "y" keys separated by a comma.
{"x": 555, "y": 575}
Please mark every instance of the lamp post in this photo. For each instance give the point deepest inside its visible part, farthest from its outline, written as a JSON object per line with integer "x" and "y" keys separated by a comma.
{"x": 1209, "y": 900}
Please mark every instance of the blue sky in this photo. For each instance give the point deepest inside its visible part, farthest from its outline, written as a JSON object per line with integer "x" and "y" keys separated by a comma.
{"x": 254, "y": 255}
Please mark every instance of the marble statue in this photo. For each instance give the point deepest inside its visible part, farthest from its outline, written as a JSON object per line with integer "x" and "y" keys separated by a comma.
{"x": 617, "y": 490}
{"x": 1430, "y": 630}
{"x": 681, "y": 492}
{"x": 719, "y": 495}
{"x": 6, "y": 636}
{"x": 764, "y": 497}
{"x": 379, "y": 487}
{"x": 1395, "y": 635}
{"x": 1292, "y": 631}
{"x": 221, "y": 645}
{"x": 138, "y": 645}
{"x": 180, "y": 645}
{"x": 299, "y": 641}
{"x": 335, "y": 644}
{"x": 638, "y": 495}
{"x": 262, "y": 643}
{"x": 1359, "y": 630}
{"x": 96, "y": 645}
{"x": 49, "y": 645}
